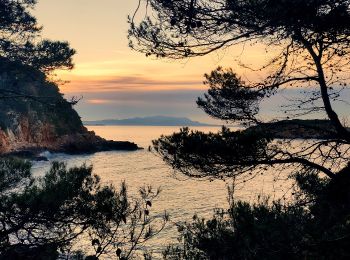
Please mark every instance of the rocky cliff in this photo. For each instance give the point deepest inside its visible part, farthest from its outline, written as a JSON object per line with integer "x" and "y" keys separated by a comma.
{"x": 34, "y": 116}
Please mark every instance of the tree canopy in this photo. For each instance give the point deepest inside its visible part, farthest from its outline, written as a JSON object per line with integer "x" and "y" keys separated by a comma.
{"x": 41, "y": 218}
{"x": 310, "y": 45}
{"x": 313, "y": 42}
{"x": 45, "y": 217}
{"x": 20, "y": 39}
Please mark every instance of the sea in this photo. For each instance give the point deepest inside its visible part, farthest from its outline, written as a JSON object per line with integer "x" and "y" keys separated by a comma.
{"x": 181, "y": 197}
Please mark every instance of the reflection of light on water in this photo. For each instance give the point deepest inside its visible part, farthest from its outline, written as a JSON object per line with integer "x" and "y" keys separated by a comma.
{"x": 46, "y": 154}
{"x": 180, "y": 197}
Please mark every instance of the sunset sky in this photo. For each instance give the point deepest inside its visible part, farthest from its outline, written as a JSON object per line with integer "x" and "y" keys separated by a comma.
{"x": 115, "y": 81}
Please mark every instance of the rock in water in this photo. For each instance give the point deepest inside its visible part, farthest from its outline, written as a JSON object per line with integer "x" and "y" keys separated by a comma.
{"x": 34, "y": 116}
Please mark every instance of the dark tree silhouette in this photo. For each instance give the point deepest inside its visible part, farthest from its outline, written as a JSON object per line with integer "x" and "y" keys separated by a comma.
{"x": 310, "y": 43}
{"x": 313, "y": 43}
{"x": 43, "y": 218}
{"x": 21, "y": 44}
{"x": 40, "y": 218}
{"x": 20, "y": 39}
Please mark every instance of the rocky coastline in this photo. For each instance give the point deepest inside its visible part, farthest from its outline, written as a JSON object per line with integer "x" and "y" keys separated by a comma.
{"x": 81, "y": 143}
{"x": 35, "y": 117}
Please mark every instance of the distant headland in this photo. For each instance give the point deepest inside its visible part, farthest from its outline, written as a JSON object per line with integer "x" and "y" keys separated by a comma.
{"x": 149, "y": 121}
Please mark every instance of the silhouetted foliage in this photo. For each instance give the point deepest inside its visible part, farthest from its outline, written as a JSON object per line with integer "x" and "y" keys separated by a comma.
{"x": 215, "y": 154}
{"x": 21, "y": 45}
{"x": 228, "y": 98}
{"x": 26, "y": 94}
{"x": 50, "y": 216}
{"x": 310, "y": 44}
{"x": 20, "y": 39}
{"x": 45, "y": 217}
{"x": 313, "y": 49}
{"x": 313, "y": 226}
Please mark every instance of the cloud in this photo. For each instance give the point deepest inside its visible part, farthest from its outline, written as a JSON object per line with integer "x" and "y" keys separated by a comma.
{"x": 163, "y": 97}
{"x": 101, "y": 105}
{"x": 145, "y": 81}
{"x": 130, "y": 83}
{"x": 124, "y": 104}
{"x": 98, "y": 101}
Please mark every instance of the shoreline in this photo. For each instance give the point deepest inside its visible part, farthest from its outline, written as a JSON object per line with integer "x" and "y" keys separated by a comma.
{"x": 87, "y": 143}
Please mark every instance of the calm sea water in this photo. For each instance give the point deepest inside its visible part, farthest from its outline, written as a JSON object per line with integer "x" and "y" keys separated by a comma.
{"x": 181, "y": 197}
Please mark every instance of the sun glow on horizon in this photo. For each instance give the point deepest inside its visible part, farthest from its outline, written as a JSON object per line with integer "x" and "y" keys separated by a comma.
{"x": 106, "y": 68}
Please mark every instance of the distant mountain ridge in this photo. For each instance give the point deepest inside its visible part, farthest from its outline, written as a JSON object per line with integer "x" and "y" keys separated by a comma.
{"x": 149, "y": 121}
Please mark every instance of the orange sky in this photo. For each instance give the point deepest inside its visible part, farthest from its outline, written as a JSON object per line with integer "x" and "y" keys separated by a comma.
{"x": 97, "y": 29}
{"x": 105, "y": 66}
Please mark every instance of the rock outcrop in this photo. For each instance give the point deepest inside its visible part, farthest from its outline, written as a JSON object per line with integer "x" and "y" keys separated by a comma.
{"x": 297, "y": 129}
{"x": 34, "y": 116}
